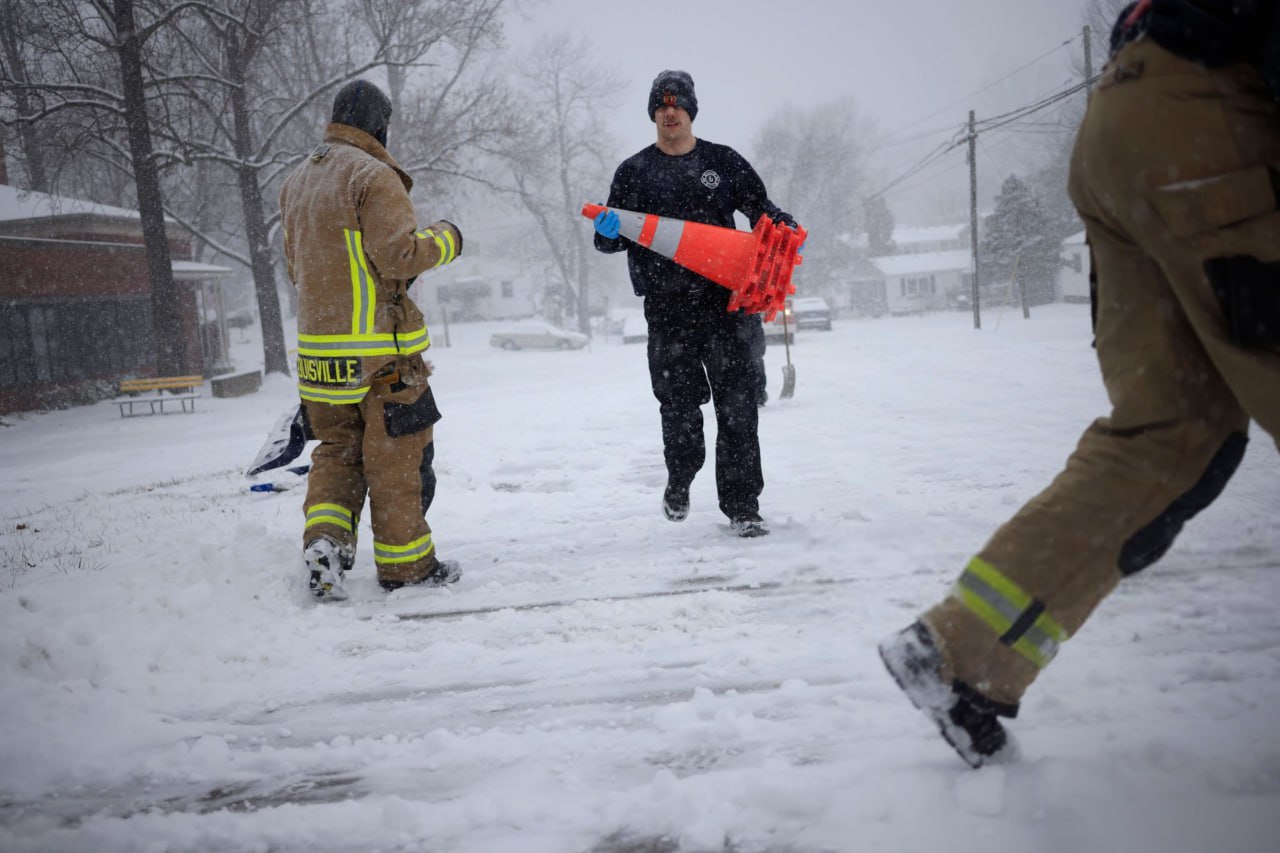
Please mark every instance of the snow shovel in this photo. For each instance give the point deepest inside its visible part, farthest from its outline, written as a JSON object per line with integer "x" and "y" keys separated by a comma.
{"x": 788, "y": 370}
{"x": 285, "y": 443}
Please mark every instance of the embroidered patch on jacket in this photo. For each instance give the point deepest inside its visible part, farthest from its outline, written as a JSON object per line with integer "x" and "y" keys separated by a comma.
{"x": 329, "y": 371}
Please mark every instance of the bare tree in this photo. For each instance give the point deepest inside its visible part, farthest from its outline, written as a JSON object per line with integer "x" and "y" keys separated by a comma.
{"x": 565, "y": 155}
{"x": 18, "y": 49}
{"x": 257, "y": 125}
{"x": 67, "y": 84}
{"x": 814, "y": 163}
{"x": 223, "y": 43}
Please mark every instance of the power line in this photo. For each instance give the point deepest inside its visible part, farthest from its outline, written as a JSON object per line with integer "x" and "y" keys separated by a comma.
{"x": 990, "y": 85}
{"x": 961, "y": 136}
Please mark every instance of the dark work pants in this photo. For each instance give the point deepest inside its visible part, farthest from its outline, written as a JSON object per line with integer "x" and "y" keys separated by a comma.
{"x": 699, "y": 352}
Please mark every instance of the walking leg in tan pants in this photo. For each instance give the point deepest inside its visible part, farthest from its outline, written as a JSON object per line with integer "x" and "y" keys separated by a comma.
{"x": 1170, "y": 177}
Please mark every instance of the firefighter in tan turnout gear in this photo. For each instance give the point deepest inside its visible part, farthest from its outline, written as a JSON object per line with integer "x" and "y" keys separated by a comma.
{"x": 1176, "y": 175}
{"x": 353, "y": 246}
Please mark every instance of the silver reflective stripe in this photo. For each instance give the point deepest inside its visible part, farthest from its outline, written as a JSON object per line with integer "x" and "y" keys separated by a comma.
{"x": 667, "y": 237}
{"x": 330, "y": 514}
{"x": 1021, "y": 621}
{"x": 411, "y": 553}
{"x": 363, "y": 296}
{"x": 988, "y": 594}
{"x": 1047, "y": 645}
{"x": 630, "y": 224}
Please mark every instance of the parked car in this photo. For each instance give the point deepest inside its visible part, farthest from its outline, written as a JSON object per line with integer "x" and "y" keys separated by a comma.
{"x": 812, "y": 312}
{"x": 773, "y": 329}
{"x": 536, "y": 334}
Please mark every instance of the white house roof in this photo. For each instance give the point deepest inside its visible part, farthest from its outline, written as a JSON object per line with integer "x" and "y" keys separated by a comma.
{"x": 906, "y": 235}
{"x": 1076, "y": 239}
{"x": 958, "y": 260}
{"x": 17, "y": 204}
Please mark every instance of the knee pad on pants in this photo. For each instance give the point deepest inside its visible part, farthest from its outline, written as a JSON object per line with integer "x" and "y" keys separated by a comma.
{"x": 1249, "y": 292}
{"x": 1150, "y": 543}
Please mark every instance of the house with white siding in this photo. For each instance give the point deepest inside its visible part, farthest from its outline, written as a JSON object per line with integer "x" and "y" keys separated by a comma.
{"x": 927, "y": 281}
{"x": 1073, "y": 275}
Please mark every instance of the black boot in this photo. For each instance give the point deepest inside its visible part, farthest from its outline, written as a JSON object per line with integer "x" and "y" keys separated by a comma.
{"x": 967, "y": 719}
{"x": 749, "y": 526}
{"x": 675, "y": 501}
{"x": 444, "y": 572}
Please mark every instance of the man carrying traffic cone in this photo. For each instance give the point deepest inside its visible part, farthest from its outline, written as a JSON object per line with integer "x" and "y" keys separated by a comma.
{"x": 699, "y": 351}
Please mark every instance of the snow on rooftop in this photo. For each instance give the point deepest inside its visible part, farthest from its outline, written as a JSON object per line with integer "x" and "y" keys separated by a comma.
{"x": 18, "y": 204}
{"x": 925, "y": 262}
{"x": 927, "y": 234}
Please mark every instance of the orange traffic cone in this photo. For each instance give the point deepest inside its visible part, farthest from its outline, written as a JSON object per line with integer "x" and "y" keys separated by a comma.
{"x": 756, "y": 266}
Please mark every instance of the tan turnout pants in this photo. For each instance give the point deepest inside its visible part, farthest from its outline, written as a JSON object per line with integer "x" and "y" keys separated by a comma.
{"x": 374, "y": 447}
{"x": 1169, "y": 173}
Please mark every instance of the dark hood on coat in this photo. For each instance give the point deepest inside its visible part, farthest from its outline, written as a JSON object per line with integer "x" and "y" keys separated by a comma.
{"x": 364, "y": 106}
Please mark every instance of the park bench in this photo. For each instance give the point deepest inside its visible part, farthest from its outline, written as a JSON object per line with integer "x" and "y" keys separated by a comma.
{"x": 168, "y": 389}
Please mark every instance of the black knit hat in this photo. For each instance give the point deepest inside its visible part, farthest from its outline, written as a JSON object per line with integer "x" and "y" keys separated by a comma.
{"x": 363, "y": 106}
{"x": 674, "y": 87}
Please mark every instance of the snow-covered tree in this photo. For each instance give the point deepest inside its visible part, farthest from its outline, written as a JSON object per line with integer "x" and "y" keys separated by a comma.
{"x": 1019, "y": 230}
{"x": 879, "y": 226}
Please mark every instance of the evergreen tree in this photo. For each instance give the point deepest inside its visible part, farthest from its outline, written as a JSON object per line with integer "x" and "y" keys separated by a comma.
{"x": 1021, "y": 229}
{"x": 879, "y": 220}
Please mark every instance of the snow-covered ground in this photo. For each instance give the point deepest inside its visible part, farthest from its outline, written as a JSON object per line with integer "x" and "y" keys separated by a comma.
{"x": 601, "y": 679}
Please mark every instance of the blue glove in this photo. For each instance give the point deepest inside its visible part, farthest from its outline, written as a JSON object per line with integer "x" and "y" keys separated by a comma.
{"x": 607, "y": 225}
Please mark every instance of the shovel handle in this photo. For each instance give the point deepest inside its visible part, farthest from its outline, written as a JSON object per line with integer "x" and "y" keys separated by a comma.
{"x": 786, "y": 336}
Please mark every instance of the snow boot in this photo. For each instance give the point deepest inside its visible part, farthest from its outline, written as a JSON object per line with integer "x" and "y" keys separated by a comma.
{"x": 326, "y": 565}
{"x": 675, "y": 502}
{"x": 444, "y": 572}
{"x": 749, "y": 526}
{"x": 967, "y": 720}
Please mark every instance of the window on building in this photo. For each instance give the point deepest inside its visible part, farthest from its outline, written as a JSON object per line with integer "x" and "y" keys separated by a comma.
{"x": 508, "y": 290}
{"x": 74, "y": 340}
{"x": 919, "y": 286}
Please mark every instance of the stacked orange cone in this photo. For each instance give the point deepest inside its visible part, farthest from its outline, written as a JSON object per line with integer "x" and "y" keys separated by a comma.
{"x": 756, "y": 266}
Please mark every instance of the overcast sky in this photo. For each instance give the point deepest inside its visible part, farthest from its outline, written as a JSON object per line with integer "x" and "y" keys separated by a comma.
{"x": 916, "y": 67}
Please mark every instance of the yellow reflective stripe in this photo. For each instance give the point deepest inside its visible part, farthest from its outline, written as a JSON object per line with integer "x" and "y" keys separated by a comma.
{"x": 1008, "y": 590}
{"x": 380, "y": 343}
{"x": 339, "y": 516}
{"x": 364, "y": 296}
{"x": 1000, "y": 604}
{"x": 446, "y": 247}
{"x": 411, "y": 553}
{"x": 980, "y": 608}
{"x": 334, "y": 396}
{"x": 442, "y": 251}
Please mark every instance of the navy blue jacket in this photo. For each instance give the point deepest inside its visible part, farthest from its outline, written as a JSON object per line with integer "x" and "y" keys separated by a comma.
{"x": 706, "y": 185}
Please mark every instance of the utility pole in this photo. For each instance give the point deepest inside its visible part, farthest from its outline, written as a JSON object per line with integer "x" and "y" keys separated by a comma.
{"x": 973, "y": 214}
{"x": 1088, "y": 55}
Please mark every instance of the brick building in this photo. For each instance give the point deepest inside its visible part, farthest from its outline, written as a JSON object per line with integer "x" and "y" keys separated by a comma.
{"x": 75, "y": 303}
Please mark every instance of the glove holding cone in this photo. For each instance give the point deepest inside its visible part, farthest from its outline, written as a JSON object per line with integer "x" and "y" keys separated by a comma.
{"x": 607, "y": 224}
{"x": 756, "y": 266}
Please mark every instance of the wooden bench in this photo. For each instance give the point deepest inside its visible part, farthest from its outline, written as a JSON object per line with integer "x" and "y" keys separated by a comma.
{"x": 168, "y": 389}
